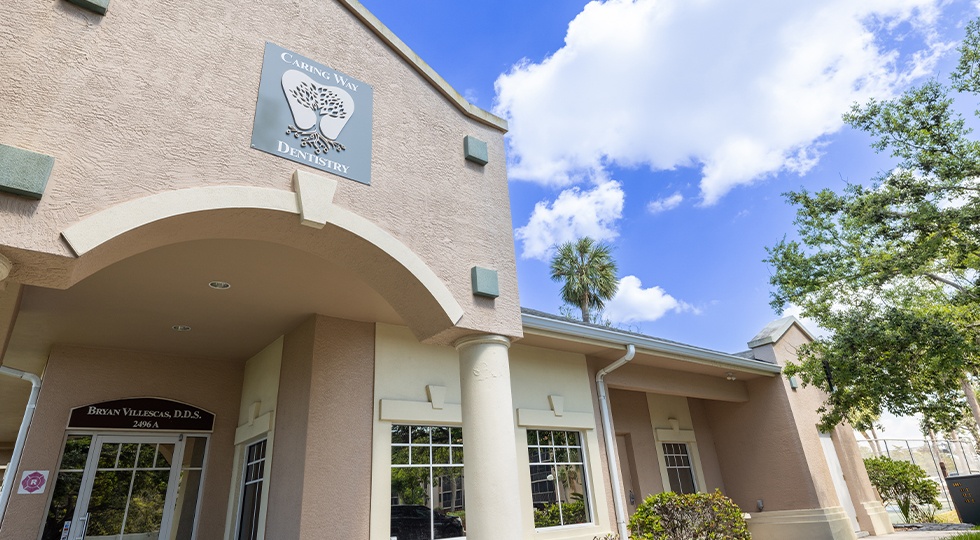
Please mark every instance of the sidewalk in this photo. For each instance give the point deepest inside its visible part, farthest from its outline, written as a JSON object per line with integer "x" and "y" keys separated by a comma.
{"x": 922, "y": 535}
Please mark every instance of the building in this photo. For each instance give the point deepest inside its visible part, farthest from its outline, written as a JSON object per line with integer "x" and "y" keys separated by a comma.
{"x": 258, "y": 281}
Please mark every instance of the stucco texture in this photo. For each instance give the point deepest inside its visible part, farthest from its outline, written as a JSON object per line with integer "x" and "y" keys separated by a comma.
{"x": 79, "y": 376}
{"x": 154, "y": 98}
{"x": 322, "y": 465}
{"x": 797, "y": 475}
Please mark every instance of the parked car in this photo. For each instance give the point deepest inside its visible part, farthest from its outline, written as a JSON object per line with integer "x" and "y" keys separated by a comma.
{"x": 412, "y": 522}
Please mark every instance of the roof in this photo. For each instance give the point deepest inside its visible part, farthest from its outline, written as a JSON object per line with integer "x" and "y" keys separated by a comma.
{"x": 416, "y": 62}
{"x": 776, "y": 329}
{"x": 617, "y": 338}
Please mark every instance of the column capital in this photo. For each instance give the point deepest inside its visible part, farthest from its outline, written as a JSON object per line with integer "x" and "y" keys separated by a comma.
{"x": 481, "y": 339}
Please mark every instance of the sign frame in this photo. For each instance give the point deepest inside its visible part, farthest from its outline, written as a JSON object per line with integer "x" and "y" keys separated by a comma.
{"x": 145, "y": 414}
{"x": 314, "y": 115}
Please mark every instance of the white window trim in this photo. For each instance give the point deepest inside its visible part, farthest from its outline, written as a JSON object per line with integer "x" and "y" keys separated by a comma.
{"x": 263, "y": 494}
{"x": 235, "y": 498}
{"x": 590, "y": 491}
{"x": 681, "y": 436}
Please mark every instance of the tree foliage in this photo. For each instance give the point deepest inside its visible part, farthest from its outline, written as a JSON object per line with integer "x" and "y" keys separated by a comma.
{"x": 693, "y": 516}
{"x": 891, "y": 268}
{"x": 905, "y": 484}
{"x": 588, "y": 275}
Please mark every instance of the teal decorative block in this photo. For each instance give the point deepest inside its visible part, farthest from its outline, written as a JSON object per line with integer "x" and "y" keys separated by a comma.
{"x": 96, "y": 6}
{"x": 485, "y": 282}
{"x": 23, "y": 172}
{"x": 475, "y": 150}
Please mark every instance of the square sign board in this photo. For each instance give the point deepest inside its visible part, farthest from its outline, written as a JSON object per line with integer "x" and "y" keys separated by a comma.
{"x": 314, "y": 115}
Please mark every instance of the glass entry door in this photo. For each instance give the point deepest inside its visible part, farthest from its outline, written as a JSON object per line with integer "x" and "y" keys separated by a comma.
{"x": 127, "y": 487}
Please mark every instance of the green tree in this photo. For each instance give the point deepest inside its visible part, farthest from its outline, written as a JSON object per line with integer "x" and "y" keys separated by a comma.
{"x": 892, "y": 268}
{"x": 588, "y": 275}
{"x": 904, "y": 484}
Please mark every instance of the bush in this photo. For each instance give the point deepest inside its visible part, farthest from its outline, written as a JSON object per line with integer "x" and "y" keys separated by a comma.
{"x": 574, "y": 512}
{"x": 695, "y": 516}
{"x": 905, "y": 484}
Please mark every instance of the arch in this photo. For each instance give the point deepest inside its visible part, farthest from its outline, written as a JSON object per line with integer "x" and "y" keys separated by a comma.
{"x": 101, "y": 229}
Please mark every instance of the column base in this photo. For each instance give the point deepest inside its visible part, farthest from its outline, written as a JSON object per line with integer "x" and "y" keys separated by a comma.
{"x": 880, "y": 522}
{"x": 815, "y": 524}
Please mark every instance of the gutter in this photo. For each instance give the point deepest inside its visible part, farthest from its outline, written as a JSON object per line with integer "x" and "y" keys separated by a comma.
{"x": 574, "y": 331}
{"x": 615, "y": 478}
{"x": 8, "y": 478}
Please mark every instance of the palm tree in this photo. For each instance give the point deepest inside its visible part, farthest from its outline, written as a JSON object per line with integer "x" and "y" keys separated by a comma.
{"x": 588, "y": 272}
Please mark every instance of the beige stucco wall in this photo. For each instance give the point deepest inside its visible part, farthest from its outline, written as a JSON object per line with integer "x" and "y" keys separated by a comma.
{"x": 256, "y": 420}
{"x": 322, "y": 463}
{"x": 537, "y": 374}
{"x": 748, "y": 435}
{"x": 405, "y": 367}
{"x": 710, "y": 468}
{"x": 804, "y": 402}
{"x": 79, "y": 376}
{"x": 150, "y": 99}
{"x": 631, "y": 417}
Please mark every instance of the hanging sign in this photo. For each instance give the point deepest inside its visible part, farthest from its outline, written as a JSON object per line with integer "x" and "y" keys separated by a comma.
{"x": 314, "y": 115}
{"x": 152, "y": 414}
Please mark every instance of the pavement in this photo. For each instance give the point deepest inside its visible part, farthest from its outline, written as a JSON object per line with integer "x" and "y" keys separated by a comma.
{"x": 925, "y": 534}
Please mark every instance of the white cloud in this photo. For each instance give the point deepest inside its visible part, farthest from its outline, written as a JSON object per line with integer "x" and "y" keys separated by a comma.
{"x": 633, "y": 303}
{"x": 574, "y": 214}
{"x": 743, "y": 90}
{"x": 667, "y": 203}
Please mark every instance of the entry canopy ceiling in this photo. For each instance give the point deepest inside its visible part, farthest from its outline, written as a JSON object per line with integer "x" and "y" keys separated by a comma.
{"x": 135, "y": 303}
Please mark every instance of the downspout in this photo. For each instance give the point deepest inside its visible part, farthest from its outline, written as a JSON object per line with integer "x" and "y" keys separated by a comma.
{"x": 8, "y": 478}
{"x": 615, "y": 478}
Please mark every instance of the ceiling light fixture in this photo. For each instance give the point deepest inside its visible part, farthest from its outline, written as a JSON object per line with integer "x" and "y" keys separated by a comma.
{"x": 730, "y": 376}
{"x": 181, "y": 328}
{"x": 219, "y": 285}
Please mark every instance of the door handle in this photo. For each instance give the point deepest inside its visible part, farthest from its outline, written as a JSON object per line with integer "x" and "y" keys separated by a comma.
{"x": 83, "y": 522}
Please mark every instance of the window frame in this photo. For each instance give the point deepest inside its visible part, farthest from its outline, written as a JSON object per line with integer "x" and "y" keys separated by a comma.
{"x": 263, "y": 485}
{"x": 436, "y": 497}
{"x": 685, "y": 437}
{"x": 587, "y": 488}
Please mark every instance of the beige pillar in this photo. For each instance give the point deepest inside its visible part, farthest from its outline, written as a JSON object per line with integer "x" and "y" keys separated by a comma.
{"x": 493, "y": 508}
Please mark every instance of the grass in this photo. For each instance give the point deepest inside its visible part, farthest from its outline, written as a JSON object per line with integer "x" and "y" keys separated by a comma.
{"x": 966, "y": 536}
{"x": 947, "y": 517}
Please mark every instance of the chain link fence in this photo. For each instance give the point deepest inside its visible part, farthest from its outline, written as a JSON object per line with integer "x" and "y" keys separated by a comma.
{"x": 938, "y": 457}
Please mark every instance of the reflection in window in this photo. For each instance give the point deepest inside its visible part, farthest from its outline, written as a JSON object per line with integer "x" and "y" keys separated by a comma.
{"x": 189, "y": 487}
{"x": 426, "y": 483}
{"x": 680, "y": 472}
{"x": 248, "y": 522}
{"x": 558, "y": 486}
{"x": 66, "y": 485}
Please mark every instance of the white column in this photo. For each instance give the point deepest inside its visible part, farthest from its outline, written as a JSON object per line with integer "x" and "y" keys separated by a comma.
{"x": 493, "y": 498}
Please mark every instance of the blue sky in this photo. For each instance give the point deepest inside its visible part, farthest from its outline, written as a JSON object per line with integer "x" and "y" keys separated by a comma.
{"x": 670, "y": 128}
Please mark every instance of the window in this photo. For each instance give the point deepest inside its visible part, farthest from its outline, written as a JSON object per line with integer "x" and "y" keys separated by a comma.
{"x": 558, "y": 483}
{"x": 426, "y": 482}
{"x": 252, "y": 477}
{"x": 680, "y": 472}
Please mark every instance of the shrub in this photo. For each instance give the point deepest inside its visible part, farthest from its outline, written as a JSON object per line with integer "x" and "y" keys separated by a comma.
{"x": 573, "y": 512}
{"x": 904, "y": 484}
{"x": 695, "y": 516}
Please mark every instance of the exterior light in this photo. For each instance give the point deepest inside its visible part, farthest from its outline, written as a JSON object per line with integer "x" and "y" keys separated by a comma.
{"x": 181, "y": 328}
{"x": 730, "y": 376}
{"x": 219, "y": 285}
